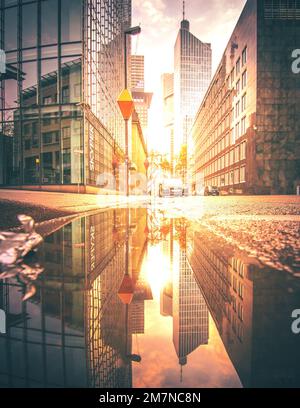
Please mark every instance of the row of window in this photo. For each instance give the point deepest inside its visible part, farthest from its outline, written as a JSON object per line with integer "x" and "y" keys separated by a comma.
{"x": 235, "y": 155}
{"x": 220, "y": 113}
{"x": 238, "y": 287}
{"x": 234, "y": 177}
{"x": 241, "y": 106}
{"x": 70, "y": 27}
{"x": 241, "y": 62}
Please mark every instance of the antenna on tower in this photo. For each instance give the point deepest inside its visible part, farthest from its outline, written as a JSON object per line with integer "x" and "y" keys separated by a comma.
{"x": 183, "y": 9}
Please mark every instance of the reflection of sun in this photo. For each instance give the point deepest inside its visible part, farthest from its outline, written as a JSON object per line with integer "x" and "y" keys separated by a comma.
{"x": 157, "y": 270}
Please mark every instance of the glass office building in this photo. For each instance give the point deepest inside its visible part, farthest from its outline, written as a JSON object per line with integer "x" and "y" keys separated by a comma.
{"x": 192, "y": 75}
{"x": 65, "y": 71}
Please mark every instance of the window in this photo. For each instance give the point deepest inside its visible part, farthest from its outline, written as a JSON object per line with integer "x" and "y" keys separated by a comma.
{"x": 238, "y": 87}
{"x": 70, "y": 20}
{"x": 27, "y": 128}
{"x": 244, "y": 56}
{"x": 243, "y": 151}
{"x": 10, "y": 18}
{"x": 231, "y": 156}
{"x": 27, "y": 144}
{"x": 237, "y": 109}
{"x": 226, "y": 179}
{"x": 244, "y": 102}
{"x": 29, "y": 25}
{"x": 65, "y": 94}
{"x": 49, "y": 20}
{"x": 244, "y": 80}
{"x": 47, "y": 100}
{"x": 238, "y": 67}
{"x": 237, "y": 154}
{"x": 243, "y": 174}
{"x": 237, "y": 176}
{"x": 237, "y": 130}
{"x": 35, "y": 142}
{"x": 243, "y": 126}
{"x": 47, "y": 138}
{"x": 50, "y": 137}
{"x": 66, "y": 132}
{"x": 232, "y": 77}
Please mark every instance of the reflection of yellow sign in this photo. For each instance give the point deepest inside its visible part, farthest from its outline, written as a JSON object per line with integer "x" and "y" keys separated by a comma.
{"x": 37, "y": 161}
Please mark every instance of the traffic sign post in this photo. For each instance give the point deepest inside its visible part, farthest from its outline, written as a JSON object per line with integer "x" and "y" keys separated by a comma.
{"x": 126, "y": 105}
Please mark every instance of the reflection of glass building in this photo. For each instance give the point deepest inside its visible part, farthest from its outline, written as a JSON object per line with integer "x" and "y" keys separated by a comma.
{"x": 74, "y": 332}
{"x": 251, "y": 306}
{"x": 246, "y": 132}
{"x": 60, "y": 110}
{"x": 192, "y": 75}
{"x": 190, "y": 312}
{"x": 181, "y": 297}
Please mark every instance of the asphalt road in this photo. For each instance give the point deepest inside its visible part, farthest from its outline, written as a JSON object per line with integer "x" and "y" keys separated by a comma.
{"x": 265, "y": 227}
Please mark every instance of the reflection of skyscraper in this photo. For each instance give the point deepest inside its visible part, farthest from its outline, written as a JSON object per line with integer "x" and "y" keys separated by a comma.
{"x": 249, "y": 304}
{"x": 61, "y": 110}
{"x": 75, "y": 332}
{"x": 190, "y": 312}
{"x": 168, "y": 109}
{"x": 192, "y": 74}
{"x": 181, "y": 297}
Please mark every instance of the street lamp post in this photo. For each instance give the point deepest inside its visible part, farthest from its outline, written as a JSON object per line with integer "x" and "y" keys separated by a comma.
{"x": 131, "y": 31}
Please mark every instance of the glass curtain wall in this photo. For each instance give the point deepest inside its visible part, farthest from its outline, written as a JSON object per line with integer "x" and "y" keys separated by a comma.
{"x": 104, "y": 79}
{"x": 39, "y": 104}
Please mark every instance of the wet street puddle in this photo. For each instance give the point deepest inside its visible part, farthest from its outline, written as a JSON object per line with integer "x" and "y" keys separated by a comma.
{"x": 136, "y": 298}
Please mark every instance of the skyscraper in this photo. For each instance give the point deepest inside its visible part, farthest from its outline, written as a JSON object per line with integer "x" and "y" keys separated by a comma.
{"x": 142, "y": 99}
{"x": 168, "y": 112}
{"x": 60, "y": 109}
{"x": 137, "y": 72}
{"x": 192, "y": 75}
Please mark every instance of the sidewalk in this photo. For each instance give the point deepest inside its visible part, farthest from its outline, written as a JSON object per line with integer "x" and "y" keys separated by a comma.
{"x": 43, "y": 206}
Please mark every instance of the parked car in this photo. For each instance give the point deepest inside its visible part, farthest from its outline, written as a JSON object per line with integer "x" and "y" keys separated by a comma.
{"x": 211, "y": 191}
{"x": 171, "y": 188}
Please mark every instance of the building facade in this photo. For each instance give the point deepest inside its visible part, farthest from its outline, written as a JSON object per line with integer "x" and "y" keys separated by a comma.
{"x": 60, "y": 109}
{"x": 192, "y": 75}
{"x": 246, "y": 133}
{"x": 168, "y": 113}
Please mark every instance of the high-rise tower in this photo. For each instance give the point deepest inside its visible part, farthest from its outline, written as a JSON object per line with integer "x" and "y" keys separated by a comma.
{"x": 193, "y": 68}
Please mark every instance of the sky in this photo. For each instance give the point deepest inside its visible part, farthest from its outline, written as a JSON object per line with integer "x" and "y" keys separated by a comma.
{"x": 211, "y": 21}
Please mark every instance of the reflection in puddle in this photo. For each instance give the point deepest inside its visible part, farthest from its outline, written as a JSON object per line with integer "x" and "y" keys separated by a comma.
{"x": 201, "y": 314}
